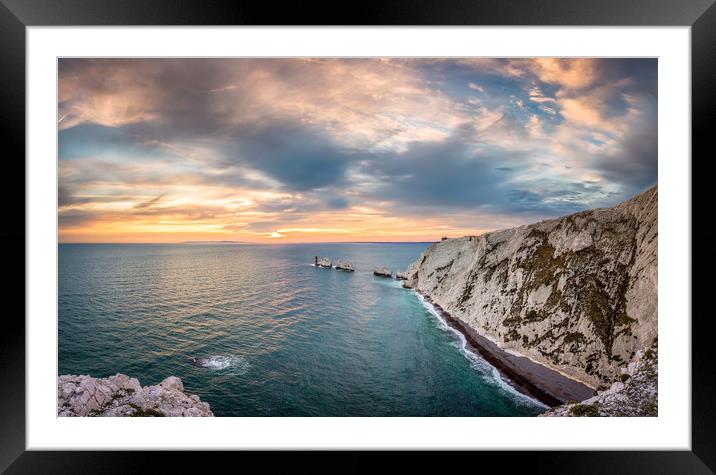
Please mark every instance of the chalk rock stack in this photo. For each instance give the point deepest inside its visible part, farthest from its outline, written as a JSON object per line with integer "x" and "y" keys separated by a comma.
{"x": 324, "y": 262}
{"x": 383, "y": 272}
{"x": 344, "y": 265}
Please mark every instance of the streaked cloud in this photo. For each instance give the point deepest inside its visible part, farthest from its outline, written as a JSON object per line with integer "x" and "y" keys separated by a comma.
{"x": 276, "y": 150}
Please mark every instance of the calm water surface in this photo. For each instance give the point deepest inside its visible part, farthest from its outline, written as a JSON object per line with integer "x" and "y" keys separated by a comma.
{"x": 271, "y": 334}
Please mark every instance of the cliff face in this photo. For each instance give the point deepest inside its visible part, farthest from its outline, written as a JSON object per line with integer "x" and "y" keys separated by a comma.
{"x": 577, "y": 293}
{"x": 121, "y": 395}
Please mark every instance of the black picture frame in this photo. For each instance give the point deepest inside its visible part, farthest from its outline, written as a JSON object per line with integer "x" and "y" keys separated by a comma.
{"x": 700, "y": 15}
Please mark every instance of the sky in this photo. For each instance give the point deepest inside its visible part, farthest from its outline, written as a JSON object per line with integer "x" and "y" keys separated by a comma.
{"x": 356, "y": 149}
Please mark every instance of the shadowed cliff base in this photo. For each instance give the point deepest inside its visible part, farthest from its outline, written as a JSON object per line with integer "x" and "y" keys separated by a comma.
{"x": 636, "y": 395}
{"x": 528, "y": 377}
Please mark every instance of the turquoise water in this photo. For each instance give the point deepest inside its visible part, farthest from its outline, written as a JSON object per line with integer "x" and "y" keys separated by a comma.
{"x": 271, "y": 335}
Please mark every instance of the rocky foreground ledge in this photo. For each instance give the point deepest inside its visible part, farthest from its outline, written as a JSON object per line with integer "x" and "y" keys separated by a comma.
{"x": 122, "y": 396}
{"x": 636, "y": 395}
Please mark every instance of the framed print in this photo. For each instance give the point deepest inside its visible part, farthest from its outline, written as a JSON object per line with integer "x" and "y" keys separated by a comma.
{"x": 408, "y": 229}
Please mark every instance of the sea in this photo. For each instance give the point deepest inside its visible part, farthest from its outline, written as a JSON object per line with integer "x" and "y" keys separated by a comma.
{"x": 258, "y": 330}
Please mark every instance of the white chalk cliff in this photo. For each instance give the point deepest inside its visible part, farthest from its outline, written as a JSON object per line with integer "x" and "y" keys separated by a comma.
{"x": 577, "y": 294}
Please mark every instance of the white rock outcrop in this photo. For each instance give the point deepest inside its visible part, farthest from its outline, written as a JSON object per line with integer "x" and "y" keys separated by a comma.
{"x": 382, "y": 272}
{"x": 401, "y": 275}
{"x": 343, "y": 264}
{"x": 577, "y": 294}
{"x": 120, "y": 395}
{"x": 323, "y": 262}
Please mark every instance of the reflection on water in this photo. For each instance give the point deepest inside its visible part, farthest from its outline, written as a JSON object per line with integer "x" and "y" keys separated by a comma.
{"x": 258, "y": 331}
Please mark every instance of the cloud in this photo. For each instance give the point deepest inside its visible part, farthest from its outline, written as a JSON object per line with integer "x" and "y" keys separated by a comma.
{"x": 570, "y": 73}
{"x": 337, "y": 202}
{"x": 380, "y": 146}
{"x": 149, "y": 203}
{"x": 298, "y": 157}
{"x": 363, "y": 102}
{"x": 451, "y": 173}
{"x": 632, "y": 162}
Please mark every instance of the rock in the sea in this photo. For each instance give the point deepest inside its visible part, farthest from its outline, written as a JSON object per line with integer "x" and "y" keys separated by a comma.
{"x": 635, "y": 395}
{"x": 577, "y": 293}
{"x": 323, "y": 262}
{"x": 120, "y": 395}
{"x": 401, "y": 275}
{"x": 382, "y": 272}
{"x": 344, "y": 265}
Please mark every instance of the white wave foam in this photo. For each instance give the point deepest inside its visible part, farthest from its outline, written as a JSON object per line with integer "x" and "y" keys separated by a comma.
{"x": 477, "y": 362}
{"x": 237, "y": 364}
{"x": 398, "y": 284}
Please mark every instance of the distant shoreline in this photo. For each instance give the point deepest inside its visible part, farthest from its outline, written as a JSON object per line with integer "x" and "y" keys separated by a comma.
{"x": 212, "y": 242}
